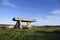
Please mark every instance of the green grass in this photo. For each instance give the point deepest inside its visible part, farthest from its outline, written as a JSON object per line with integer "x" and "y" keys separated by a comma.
{"x": 40, "y": 33}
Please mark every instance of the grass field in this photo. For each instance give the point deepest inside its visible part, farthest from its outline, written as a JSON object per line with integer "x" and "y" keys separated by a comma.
{"x": 35, "y": 33}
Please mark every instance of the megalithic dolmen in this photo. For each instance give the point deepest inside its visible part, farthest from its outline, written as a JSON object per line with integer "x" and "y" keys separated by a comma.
{"x": 19, "y": 20}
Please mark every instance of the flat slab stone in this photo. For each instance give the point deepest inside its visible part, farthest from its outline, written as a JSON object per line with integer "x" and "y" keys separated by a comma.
{"x": 24, "y": 19}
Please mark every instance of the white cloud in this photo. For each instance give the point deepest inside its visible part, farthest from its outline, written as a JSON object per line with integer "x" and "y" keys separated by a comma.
{"x": 7, "y": 3}
{"x": 55, "y": 11}
{"x": 53, "y": 19}
{"x": 49, "y": 20}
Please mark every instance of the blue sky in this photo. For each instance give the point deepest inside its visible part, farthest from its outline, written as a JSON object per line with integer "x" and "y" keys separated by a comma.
{"x": 46, "y": 12}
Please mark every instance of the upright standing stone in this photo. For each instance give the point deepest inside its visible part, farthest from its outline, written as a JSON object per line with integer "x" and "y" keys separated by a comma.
{"x": 20, "y": 24}
{"x": 29, "y": 25}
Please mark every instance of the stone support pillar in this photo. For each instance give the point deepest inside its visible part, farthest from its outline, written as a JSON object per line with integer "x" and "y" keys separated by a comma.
{"x": 20, "y": 24}
{"x": 29, "y": 24}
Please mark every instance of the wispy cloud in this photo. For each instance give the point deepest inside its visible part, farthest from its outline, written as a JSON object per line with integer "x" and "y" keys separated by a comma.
{"x": 57, "y": 11}
{"x": 7, "y": 3}
{"x": 53, "y": 19}
{"x": 49, "y": 20}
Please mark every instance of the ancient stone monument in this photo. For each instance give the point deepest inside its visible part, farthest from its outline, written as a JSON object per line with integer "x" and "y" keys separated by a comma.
{"x": 19, "y": 20}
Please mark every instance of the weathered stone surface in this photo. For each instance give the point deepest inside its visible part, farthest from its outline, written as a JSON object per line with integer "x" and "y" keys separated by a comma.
{"x": 19, "y": 20}
{"x": 24, "y": 19}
